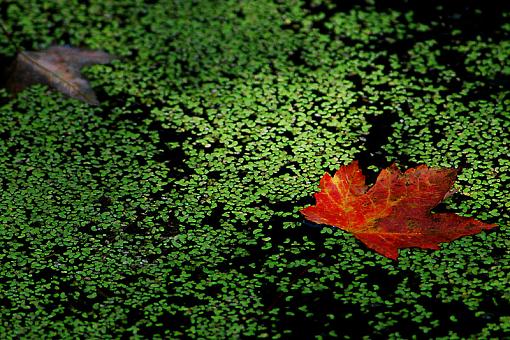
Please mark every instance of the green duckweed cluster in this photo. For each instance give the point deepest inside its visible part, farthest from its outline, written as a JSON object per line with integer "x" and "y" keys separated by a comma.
{"x": 172, "y": 209}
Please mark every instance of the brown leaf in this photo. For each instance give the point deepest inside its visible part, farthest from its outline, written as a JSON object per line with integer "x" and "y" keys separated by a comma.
{"x": 57, "y": 67}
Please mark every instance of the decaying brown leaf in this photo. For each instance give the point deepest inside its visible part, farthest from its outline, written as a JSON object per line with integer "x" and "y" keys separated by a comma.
{"x": 57, "y": 67}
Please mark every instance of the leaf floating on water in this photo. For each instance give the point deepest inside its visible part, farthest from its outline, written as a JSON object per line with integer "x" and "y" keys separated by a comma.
{"x": 57, "y": 67}
{"x": 395, "y": 212}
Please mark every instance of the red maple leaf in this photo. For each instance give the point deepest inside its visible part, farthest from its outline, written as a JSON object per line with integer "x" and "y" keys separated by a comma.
{"x": 395, "y": 212}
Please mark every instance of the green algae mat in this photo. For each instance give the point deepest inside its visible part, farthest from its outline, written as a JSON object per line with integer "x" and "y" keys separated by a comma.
{"x": 171, "y": 210}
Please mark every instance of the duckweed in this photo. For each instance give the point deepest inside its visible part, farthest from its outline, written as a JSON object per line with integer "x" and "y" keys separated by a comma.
{"x": 172, "y": 209}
